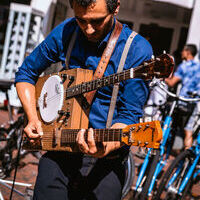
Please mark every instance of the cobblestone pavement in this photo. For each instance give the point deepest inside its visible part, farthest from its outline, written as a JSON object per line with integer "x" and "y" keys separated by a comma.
{"x": 27, "y": 171}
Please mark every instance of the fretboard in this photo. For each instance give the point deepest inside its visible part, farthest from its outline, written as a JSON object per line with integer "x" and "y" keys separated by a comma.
{"x": 100, "y": 135}
{"x": 99, "y": 83}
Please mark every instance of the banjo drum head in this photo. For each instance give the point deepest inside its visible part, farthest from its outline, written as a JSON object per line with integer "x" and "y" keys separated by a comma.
{"x": 51, "y": 99}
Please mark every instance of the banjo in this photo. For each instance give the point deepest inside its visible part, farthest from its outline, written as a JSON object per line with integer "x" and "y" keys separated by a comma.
{"x": 62, "y": 106}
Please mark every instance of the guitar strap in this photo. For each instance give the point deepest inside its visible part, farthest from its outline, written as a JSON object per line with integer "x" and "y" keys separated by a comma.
{"x": 116, "y": 86}
{"x": 105, "y": 58}
{"x": 70, "y": 47}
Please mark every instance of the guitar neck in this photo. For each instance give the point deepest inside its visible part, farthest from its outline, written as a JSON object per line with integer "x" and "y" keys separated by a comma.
{"x": 99, "y": 83}
{"x": 100, "y": 135}
{"x": 160, "y": 67}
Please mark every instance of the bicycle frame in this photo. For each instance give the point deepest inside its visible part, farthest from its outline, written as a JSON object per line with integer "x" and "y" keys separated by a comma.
{"x": 166, "y": 133}
{"x": 188, "y": 169}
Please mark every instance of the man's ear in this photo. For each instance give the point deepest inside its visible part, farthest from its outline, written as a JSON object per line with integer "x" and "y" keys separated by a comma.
{"x": 117, "y": 8}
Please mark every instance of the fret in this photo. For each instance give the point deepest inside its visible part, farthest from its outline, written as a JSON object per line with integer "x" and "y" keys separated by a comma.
{"x": 124, "y": 75}
{"x": 100, "y": 135}
{"x": 98, "y": 83}
{"x": 84, "y": 87}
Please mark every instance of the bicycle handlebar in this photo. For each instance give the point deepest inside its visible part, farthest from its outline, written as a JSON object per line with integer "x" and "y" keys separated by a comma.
{"x": 161, "y": 85}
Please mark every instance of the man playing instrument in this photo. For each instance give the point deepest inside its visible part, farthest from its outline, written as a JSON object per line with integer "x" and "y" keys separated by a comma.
{"x": 98, "y": 172}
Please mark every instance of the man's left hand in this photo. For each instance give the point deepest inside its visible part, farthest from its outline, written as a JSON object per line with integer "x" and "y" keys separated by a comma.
{"x": 91, "y": 148}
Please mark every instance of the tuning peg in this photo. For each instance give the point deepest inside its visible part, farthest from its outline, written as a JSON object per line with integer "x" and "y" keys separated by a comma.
{"x": 157, "y": 73}
{"x": 146, "y": 143}
{"x": 164, "y": 51}
{"x": 158, "y": 59}
{"x": 153, "y": 57}
{"x": 132, "y": 128}
{"x": 139, "y": 127}
{"x": 146, "y": 127}
{"x": 141, "y": 120}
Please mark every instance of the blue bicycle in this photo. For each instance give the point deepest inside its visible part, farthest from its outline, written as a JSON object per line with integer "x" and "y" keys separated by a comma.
{"x": 155, "y": 161}
{"x": 179, "y": 178}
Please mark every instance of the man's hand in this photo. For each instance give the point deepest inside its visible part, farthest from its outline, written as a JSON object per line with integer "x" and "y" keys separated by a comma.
{"x": 91, "y": 148}
{"x": 26, "y": 93}
{"x": 33, "y": 130}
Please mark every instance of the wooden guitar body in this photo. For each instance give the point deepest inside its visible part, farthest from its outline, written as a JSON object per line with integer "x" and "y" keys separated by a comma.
{"x": 72, "y": 115}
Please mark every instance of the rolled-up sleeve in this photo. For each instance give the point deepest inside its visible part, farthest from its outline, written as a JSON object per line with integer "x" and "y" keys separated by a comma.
{"x": 35, "y": 64}
{"x": 42, "y": 57}
{"x": 179, "y": 72}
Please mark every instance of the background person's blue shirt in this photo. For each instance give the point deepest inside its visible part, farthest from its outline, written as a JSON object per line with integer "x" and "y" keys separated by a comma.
{"x": 189, "y": 73}
{"x": 132, "y": 93}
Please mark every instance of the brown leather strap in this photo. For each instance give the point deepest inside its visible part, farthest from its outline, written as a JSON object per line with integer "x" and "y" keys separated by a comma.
{"x": 105, "y": 58}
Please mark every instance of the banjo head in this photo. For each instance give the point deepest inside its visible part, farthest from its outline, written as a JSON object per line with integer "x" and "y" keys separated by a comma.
{"x": 51, "y": 99}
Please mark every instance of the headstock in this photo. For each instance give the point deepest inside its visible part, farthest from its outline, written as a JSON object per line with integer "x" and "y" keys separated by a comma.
{"x": 159, "y": 67}
{"x": 147, "y": 134}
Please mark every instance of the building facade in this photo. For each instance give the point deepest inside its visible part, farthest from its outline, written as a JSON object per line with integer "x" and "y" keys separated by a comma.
{"x": 165, "y": 25}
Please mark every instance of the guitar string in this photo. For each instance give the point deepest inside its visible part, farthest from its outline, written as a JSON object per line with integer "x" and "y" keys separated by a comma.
{"x": 58, "y": 95}
{"x": 98, "y": 136}
{"x": 127, "y": 72}
{"x": 99, "y": 133}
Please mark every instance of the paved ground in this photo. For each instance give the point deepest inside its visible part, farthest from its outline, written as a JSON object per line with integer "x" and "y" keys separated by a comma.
{"x": 27, "y": 170}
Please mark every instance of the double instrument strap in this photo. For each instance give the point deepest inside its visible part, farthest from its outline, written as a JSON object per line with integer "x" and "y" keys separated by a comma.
{"x": 103, "y": 65}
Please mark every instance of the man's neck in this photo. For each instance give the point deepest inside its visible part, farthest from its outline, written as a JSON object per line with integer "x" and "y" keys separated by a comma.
{"x": 189, "y": 58}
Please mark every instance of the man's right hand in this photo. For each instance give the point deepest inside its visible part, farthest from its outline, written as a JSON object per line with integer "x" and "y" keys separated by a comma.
{"x": 26, "y": 93}
{"x": 33, "y": 130}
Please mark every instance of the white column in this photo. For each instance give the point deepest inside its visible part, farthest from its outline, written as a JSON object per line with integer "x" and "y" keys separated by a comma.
{"x": 194, "y": 30}
{"x": 48, "y": 8}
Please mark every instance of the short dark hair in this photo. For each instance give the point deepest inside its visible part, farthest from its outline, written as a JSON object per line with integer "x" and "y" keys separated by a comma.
{"x": 111, "y": 4}
{"x": 191, "y": 48}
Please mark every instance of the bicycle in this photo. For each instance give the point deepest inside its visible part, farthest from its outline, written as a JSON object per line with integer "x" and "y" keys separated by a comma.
{"x": 183, "y": 172}
{"x": 27, "y": 195}
{"x": 155, "y": 161}
{"x": 10, "y": 137}
{"x": 10, "y": 141}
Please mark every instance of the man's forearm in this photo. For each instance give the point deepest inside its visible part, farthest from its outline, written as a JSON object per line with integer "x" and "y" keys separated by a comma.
{"x": 171, "y": 82}
{"x": 26, "y": 93}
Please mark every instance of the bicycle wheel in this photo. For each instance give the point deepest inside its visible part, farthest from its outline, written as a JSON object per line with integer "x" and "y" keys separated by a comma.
{"x": 180, "y": 163}
{"x": 144, "y": 194}
{"x": 130, "y": 173}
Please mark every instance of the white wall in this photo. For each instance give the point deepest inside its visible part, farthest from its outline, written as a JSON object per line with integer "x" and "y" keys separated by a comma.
{"x": 194, "y": 30}
{"x": 47, "y": 7}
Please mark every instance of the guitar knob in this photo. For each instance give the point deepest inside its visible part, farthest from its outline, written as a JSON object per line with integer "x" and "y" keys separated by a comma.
{"x": 61, "y": 112}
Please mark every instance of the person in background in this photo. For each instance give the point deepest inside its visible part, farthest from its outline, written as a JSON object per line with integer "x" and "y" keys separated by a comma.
{"x": 188, "y": 73}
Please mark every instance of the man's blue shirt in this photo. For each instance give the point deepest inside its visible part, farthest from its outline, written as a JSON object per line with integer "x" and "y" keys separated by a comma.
{"x": 189, "y": 73}
{"x": 132, "y": 93}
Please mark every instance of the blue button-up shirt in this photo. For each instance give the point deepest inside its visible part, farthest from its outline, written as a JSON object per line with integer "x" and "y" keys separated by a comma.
{"x": 132, "y": 93}
{"x": 189, "y": 73}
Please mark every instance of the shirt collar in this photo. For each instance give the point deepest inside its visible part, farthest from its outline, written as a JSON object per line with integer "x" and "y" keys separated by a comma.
{"x": 191, "y": 63}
